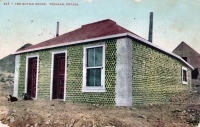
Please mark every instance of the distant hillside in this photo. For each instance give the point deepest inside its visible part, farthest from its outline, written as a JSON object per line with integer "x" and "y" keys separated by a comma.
{"x": 7, "y": 64}
{"x": 26, "y": 45}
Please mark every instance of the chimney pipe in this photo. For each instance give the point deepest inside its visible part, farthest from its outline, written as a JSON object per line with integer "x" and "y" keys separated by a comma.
{"x": 151, "y": 27}
{"x": 57, "y": 30}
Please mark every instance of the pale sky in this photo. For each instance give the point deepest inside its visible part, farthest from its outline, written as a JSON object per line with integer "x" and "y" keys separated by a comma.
{"x": 174, "y": 20}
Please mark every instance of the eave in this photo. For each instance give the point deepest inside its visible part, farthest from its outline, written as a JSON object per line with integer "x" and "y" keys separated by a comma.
{"x": 127, "y": 34}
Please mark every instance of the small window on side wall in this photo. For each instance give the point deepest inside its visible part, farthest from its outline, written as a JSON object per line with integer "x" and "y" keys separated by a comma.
{"x": 184, "y": 75}
{"x": 94, "y": 68}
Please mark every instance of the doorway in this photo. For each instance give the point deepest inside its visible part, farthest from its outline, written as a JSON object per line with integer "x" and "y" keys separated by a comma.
{"x": 59, "y": 76}
{"x": 32, "y": 77}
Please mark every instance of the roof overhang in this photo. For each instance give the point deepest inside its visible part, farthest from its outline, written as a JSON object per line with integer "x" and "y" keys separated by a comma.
{"x": 128, "y": 34}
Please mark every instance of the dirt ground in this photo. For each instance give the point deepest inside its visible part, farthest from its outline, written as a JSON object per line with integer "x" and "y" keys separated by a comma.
{"x": 183, "y": 110}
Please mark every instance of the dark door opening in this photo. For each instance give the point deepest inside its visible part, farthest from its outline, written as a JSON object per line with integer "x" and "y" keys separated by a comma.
{"x": 32, "y": 76}
{"x": 58, "y": 76}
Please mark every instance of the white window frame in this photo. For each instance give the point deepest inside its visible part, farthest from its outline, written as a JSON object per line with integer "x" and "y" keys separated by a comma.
{"x": 184, "y": 69}
{"x": 26, "y": 77}
{"x": 52, "y": 71}
{"x": 86, "y": 88}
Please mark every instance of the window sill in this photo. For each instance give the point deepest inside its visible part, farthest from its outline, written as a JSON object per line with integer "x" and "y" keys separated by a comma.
{"x": 93, "y": 89}
{"x": 184, "y": 83}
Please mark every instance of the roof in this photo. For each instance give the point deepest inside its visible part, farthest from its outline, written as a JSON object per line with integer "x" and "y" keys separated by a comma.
{"x": 105, "y": 29}
{"x": 94, "y": 30}
{"x": 184, "y": 50}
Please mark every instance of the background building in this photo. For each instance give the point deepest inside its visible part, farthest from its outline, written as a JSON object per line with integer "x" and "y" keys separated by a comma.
{"x": 192, "y": 57}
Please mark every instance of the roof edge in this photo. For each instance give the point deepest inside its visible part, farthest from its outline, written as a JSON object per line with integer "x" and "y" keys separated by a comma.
{"x": 72, "y": 43}
{"x": 109, "y": 37}
{"x": 157, "y": 47}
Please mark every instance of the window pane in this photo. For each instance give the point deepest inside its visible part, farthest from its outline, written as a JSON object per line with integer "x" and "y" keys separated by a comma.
{"x": 98, "y": 56}
{"x": 94, "y": 57}
{"x": 98, "y": 77}
{"x": 185, "y": 75}
{"x": 90, "y": 77}
{"x": 90, "y": 57}
{"x": 94, "y": 77}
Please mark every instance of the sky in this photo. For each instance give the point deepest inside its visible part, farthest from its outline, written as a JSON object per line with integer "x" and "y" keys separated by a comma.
{"x": 174, "y": 20}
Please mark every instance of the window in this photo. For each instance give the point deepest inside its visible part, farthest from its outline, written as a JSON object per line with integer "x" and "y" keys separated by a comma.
{"x": 184, "y": 58}
{"x": 184, "y": 75}
{"x": 195, "y": 73}
{"x": 94, "y": 69}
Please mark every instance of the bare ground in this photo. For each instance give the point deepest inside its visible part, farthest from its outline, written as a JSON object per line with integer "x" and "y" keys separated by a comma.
{"x": 54, "y": 113}
{"x": 182, "y": 111}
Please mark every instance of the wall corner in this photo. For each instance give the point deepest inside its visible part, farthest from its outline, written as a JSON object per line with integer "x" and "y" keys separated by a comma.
{"x": 123, "y": 87}
{"x": 16, "y": 75}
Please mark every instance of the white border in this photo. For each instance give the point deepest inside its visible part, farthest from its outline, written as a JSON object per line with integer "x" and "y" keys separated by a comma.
{"x": 102, "y": 87}
{"x": 184, "y": 68}
{"x": 52, "y": 65}
{"x": 26, "y": 77}
{"x": 109, "y": 37}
